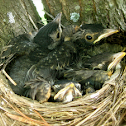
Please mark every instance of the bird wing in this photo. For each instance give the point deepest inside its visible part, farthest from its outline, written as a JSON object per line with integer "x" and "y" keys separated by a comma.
{"x": 17, "y": 46}
{"x": 58, "y": 58}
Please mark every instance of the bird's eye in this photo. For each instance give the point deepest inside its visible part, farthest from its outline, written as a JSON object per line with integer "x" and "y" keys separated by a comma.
{"x": 58, "y": 35}
{"x": 89, "y": 37}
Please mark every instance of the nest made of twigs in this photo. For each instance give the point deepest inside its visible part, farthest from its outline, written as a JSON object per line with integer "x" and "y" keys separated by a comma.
{"x": 106, "y": 106}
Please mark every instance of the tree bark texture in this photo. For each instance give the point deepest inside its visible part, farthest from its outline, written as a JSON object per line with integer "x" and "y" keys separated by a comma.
{"x": 16, "y": 17}
{"x": 111, "y": 13}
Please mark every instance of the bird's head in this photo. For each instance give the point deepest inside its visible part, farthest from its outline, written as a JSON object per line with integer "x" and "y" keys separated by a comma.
{"x": 49, "y": 35}
{"x": 56, "y": 32}
{"x": 93, "y": 33}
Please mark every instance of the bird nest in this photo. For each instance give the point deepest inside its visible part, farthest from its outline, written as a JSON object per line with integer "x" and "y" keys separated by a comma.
{"x": 106, "y": 106}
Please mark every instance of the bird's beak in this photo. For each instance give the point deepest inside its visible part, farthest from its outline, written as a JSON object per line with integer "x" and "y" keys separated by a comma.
{"x": 117, "y": 58}
{"x": 106, "y": 33}
{"x": 66, "y": 94}
{"x": 57, "y": 19}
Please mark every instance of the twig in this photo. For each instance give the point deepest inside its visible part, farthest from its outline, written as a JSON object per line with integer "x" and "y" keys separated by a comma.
{"x": 21, "y": 119}
{"x": 3, "y": 120}
{"x": 10, "y": 79}
{"x": 48, "y": 14}
{"x": 42, "y": 118}
{"x": 32, "y": 22}
{"x": 13, "y": 123}
{"x": 25, "y": 7}
{"x": 5, "y": 73}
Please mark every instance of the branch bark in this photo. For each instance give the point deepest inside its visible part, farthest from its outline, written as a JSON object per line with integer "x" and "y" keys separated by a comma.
{"x": 111, "y": 13}
{"x": 16, "y": 18}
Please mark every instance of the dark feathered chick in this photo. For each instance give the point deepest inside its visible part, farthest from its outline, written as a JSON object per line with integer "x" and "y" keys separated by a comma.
{"x": 104, "y": 61}
{"x": 83, "y": 38}
{"x": 47, "y": 39}
{"x": 40, "y": 76}
{"x": 94, "y": 79}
